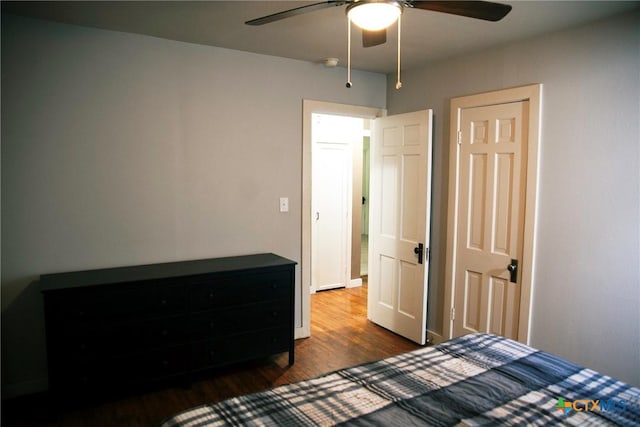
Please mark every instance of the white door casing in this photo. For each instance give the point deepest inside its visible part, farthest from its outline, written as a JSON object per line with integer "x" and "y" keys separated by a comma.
{"x": 399, "y": 213}
{"x": 492, "y": 200}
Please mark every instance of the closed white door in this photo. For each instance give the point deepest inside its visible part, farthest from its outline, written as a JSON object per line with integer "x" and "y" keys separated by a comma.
{"x": 332, "y": 159}
{"x": 330, "y": 197}
{"x": 492, "y": 170}
{"x": 400, "y": 191}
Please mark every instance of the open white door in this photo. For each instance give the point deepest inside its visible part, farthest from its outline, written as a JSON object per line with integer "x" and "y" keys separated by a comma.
{"x": 400, "y": 191}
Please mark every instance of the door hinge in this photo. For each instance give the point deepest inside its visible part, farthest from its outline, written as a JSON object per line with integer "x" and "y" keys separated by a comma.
{"x": 453, "y": 313}
{"x": 459, "y": 137}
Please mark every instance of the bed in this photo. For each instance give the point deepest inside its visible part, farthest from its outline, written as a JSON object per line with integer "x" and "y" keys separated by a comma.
{"x": 477, "y": 379}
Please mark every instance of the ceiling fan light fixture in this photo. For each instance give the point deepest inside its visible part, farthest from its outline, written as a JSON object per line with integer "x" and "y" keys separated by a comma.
{"x": 374, "y": 15}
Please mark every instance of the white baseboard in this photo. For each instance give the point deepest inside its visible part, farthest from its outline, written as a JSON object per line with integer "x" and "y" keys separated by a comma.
{"x": 301, "y": 333}
{"x": 24, "y": 388}
{"x": 355, "y": 283}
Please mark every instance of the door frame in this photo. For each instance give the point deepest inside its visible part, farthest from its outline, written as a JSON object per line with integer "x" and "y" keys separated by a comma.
{"x": 532, "y": 94}
{"x": 308, "y": 108}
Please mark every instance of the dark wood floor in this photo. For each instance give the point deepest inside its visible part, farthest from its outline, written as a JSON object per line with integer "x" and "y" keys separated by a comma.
{"x": 341, "y": 336}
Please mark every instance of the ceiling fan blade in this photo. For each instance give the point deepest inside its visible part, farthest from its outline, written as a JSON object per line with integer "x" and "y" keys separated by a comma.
{"x": 374, "y": 38}
{"x": 296, "y": 11}
{"x": 485, "y": 10}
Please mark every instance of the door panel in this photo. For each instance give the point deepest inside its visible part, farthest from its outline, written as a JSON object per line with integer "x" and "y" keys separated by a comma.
{"x": 409, "y": 290}
{"x": 502, "y": 220}
{"x": 491, "y": 217}
{"x": 398, "y": 218}
{"x": 477, "y": 200}
{"x": 472, "y": 301}
{"x": 389, "y": 196}
{"x": 410, "y": 224}
{"x": 385, "y": 290}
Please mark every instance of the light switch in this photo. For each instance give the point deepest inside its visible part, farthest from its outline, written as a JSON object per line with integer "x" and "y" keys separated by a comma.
{"x": 284, "y": 204}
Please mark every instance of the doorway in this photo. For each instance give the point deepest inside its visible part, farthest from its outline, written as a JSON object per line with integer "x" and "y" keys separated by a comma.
{"x": 402, "y": 172}
{"x": 309, "y": 108}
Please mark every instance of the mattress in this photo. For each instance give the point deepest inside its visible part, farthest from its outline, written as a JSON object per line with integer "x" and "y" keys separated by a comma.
{"x": 477, "y": 379}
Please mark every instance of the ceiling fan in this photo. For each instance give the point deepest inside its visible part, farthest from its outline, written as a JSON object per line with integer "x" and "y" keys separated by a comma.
{"x": 375, "y": 16}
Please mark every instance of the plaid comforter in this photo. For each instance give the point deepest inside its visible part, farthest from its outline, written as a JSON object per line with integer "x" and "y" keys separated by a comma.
{"x": 473, "y": 380}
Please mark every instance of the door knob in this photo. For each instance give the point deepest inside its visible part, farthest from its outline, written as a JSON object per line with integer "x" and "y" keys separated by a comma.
{"x": 419, "y": 251}
{"x": 513, "y": 269}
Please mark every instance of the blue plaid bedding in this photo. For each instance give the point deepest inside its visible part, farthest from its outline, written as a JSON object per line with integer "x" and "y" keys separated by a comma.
{"x": 473, "y": 380}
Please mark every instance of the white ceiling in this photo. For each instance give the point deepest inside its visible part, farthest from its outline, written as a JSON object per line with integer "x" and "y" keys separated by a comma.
{"x": 426, "y": 36}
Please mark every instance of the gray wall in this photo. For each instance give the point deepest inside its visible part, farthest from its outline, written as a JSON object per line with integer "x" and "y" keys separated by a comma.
{"x": 586, "y": 296}
{"x": 120, "y": 149}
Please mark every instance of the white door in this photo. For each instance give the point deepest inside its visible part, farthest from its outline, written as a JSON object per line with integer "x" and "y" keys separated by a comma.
{"x": 400, "y": 191}
{"x": 492, "y": 170}
{"x": 333, "y": 138}
{"x": 366, "y": 171}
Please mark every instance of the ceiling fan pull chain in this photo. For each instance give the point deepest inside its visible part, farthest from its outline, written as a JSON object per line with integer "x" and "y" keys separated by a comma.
{"x": 348, "y": 53}
{"x": 399, "y": 83}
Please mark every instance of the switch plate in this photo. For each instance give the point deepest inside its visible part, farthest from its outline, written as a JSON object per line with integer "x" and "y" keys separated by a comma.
{"x": 284, "y": 204}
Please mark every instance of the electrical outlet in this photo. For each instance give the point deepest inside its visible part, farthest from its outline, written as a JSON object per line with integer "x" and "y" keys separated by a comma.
{"x": 284, "y": 204}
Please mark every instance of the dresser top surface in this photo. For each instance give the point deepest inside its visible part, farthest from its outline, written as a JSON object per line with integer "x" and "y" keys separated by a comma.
{"x": 74, "y": 279}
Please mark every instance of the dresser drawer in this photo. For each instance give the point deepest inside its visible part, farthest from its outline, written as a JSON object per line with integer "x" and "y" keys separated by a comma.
{"x": 240, "y": 347}
{"x": 105, "y": 369}
{"x": 150, "y": 333}
{"x": 163, "y": 363}
{"x": 81, "y": 375}
{"x": 240, "y": 289}
{"x": 238, "y": 319}
{"x": 125, "y": 300}
{"x": 117, "y": 336}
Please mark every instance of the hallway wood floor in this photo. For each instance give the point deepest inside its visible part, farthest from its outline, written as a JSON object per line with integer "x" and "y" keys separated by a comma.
{"x": 341, "y": 336}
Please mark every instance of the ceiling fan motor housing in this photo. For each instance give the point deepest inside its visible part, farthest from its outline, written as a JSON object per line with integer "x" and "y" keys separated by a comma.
{"x": 374, "y": 15}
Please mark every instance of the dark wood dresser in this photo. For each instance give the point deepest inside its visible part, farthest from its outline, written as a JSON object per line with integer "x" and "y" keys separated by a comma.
{"x": 117, "y": 327}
